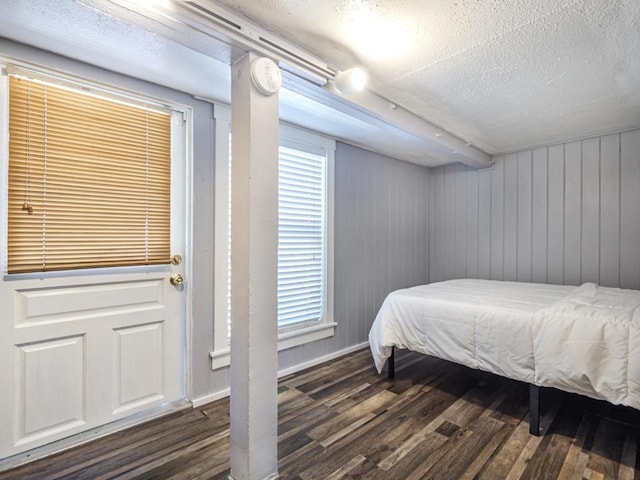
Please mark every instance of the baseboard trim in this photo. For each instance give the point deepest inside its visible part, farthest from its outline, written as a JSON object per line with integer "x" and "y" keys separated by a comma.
{"x": 212, "y": 397}
{"x": 317, "y": 361}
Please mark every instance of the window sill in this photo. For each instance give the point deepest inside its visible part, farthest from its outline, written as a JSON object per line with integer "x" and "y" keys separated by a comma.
{"x": 287, "y": 339}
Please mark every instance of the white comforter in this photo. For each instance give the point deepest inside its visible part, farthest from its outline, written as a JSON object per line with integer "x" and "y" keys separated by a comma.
{"x": 589, "y": 342}
{"x": 579, "y": 339}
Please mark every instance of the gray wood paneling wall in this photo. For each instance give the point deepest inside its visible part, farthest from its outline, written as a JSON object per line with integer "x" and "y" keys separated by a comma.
{"x": 565, "y": 214}
{"x": 381, "y": 229}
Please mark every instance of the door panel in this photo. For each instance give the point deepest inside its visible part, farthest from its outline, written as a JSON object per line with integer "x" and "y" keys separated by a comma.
{"x": 80, "y": 352}
{"x": 139, "y": 365}
{"x": 51, "y": 388}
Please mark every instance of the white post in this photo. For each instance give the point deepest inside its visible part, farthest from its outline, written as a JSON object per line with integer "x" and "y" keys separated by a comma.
{"x": 254, "y": 251}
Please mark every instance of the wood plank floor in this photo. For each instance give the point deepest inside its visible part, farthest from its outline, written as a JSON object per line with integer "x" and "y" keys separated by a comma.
{"x": 341, "y": 420}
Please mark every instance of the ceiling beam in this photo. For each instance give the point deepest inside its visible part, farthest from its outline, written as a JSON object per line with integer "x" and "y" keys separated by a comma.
{"x": 194, "y": 23}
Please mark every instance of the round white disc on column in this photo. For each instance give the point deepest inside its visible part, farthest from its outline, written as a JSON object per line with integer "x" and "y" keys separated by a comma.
{"x": 266, "y": 76}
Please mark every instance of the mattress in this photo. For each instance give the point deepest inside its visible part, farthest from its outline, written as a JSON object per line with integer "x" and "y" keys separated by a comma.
{"x": 482, "y": 324}
{"x": 580, "y": 339}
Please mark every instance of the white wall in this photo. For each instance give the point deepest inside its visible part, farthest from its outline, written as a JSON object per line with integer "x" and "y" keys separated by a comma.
{"x": 566, "y": 214}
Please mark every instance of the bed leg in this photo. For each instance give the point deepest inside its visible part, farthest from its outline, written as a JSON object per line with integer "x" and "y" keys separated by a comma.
{"x": 534, "y": 410}
{"x": 391, "y": 364}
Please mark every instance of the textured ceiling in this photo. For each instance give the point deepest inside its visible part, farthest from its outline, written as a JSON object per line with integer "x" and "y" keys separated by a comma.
{"x": 503, "y": 75}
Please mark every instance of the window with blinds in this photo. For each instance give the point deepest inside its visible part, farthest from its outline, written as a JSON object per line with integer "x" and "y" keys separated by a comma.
{"x": 302, "y": 231}
{"x": 302, "y": 235}
{"x": 89, "y": 180}
{"x": 305, "y": 238}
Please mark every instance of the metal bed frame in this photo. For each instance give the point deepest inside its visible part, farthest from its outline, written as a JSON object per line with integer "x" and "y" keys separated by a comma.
{"x": 534, "y": 396}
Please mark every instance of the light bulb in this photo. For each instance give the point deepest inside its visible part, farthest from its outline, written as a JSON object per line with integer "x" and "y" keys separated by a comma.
{"x": 349, "y": 81}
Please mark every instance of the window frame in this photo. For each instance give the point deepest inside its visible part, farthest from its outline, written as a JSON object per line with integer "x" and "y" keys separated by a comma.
{"x": 181, "y": 116}
{"x": 289, "y": 336}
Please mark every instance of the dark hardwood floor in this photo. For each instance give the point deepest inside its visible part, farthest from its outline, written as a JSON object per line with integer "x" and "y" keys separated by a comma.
{"x": 341, "y": 420}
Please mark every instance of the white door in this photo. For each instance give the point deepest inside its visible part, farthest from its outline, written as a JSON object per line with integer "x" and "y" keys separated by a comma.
{"x": 80, "y": 349}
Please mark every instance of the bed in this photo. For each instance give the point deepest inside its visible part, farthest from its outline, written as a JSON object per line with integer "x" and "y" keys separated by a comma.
{"x": 583, "y": 340}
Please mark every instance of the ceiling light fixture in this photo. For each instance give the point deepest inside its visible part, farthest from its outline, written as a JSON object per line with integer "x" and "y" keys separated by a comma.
{"x": 350, "y": 81}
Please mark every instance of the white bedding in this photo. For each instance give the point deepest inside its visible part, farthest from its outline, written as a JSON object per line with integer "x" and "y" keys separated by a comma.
{"x": 580, "y": 339}
{"x": 589, "y": 343}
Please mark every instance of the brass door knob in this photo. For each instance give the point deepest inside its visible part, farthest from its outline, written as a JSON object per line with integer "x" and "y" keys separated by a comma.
{"x": 176, "y": 279}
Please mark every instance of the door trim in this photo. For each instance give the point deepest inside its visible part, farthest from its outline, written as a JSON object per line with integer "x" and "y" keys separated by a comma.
{"x": 187, "y": 269}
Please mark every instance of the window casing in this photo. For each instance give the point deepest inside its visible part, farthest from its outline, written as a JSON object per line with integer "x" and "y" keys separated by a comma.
{"x": 305, "y": 238}
{"x": 89, "y": 178}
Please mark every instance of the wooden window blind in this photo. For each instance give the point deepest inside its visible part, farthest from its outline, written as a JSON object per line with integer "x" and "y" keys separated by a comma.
{"x": 89, "y": 180}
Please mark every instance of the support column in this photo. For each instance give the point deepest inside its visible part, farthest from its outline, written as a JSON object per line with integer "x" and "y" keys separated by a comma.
{"x": 254, "y": 251}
